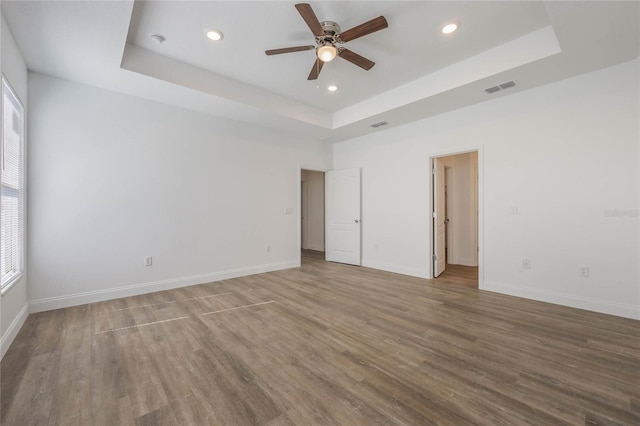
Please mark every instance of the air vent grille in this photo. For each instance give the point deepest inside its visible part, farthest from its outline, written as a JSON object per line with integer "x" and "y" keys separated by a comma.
{"x": 378, "y": 124}
{"x": 499, "y": 87}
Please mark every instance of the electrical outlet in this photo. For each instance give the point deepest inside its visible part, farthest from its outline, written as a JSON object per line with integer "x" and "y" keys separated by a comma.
{"x": 583, "y": 270}
{"x": 267, "y": 248}
{"x": 526, "y": 264}
{"x": 148, "y": 261}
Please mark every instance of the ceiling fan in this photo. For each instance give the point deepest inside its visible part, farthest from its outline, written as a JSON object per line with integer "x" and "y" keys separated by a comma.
{"x": 329, "y": 38}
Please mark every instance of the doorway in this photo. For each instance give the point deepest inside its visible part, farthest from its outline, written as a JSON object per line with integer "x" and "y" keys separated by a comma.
{"x": 455, "y": 236}
{"x": 312, "y": 214}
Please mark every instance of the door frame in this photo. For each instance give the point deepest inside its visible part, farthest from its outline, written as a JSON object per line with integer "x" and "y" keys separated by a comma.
{"x": 438, "y": 216}
{"x": 299, "y": 198}
{"x": 480, "y": 199}
{"x": 448, "y": 185}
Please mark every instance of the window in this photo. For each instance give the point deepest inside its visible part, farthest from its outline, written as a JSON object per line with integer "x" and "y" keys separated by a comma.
{"x": 12, "y": 177}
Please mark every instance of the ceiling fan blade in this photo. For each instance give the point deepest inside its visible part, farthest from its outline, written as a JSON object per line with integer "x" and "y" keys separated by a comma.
{"x": 288, "y": 50}
{"x": 310, "y": 18}
{"x": 315, "y": 71}
{"x": 356, "y": 59}
{"x": 368, "y": 27}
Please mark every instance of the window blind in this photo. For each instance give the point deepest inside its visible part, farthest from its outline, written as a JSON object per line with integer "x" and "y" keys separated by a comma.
{"x": 11, "y": 177}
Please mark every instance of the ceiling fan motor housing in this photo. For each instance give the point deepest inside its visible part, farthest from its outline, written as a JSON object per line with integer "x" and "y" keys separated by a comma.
{"x": 331, "y": 33}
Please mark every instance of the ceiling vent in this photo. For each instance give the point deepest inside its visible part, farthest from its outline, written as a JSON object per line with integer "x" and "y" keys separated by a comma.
{"x": 507, "y": 85}
{"x": 499, "y": 87}
{"x": 378, "y": 124}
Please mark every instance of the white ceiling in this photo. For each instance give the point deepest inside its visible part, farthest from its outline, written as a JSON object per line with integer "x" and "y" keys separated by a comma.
{"x": 419, "y": 71}
{"x": 411, "y": 47}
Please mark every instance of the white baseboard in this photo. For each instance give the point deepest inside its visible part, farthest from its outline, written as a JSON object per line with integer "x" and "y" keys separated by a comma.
{"x": 13, "y": 329}
{"x": 603, "y": 306}
{"x": 314, "y": 247}
{"x": 463, "y": 261}
{"x": 58, "y": 302}
{"x": 398, "y": 269}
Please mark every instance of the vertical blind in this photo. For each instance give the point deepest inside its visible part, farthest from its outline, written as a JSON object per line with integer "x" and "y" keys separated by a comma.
{"x": 11, "y": 174}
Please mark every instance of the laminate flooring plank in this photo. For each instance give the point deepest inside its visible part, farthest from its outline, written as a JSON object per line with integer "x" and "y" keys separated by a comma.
{"x": 35, "y": 394}
{"x": 161, "y": 417}
{"x": 12, "y": 370}
{"x": 323, "y": 344}
{"x": 228, "y": 407}
{"x": 73, "y": 402}
{"x": 106, "y": 379}
{"x": 243, "y": 380}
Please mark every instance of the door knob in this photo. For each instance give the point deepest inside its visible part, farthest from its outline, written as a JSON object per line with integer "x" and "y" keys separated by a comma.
{"x": 357, "y": 221}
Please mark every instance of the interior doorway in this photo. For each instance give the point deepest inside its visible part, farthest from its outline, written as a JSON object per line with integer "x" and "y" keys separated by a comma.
{"x": 448, "y": 179}
{"x": 455, "y": 236}
{"x": 312, "y": 214}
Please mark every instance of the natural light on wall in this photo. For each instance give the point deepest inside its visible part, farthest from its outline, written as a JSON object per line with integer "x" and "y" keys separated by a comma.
{"x": 11, "y": 204}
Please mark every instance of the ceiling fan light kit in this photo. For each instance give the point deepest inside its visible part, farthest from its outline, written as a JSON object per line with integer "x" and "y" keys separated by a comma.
{"x": 327, "y": 53}
{"x": 328, "y": 37}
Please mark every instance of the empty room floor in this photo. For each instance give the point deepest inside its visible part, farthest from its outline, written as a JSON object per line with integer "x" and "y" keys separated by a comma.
{"x": 322, "y": 344}
{"x": 460, "y": 275}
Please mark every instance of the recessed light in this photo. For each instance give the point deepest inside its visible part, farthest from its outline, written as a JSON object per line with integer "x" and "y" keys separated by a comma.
{"x": 332, "y": 87}
{"x": 158, "y": 38}
{"x": 449, "y": 28}
{"x": 215, "y": 35}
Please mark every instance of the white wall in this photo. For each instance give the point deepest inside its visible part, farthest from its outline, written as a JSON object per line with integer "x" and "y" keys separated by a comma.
{"x": 462, "y": 229}
{"x": 313, "y": 203}
{"x": 116, "y": 178}
{"x": 563, "y": 155}
{"x": 14, "y": 306}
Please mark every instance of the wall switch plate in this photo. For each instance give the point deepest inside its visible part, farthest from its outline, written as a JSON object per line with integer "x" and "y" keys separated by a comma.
{"x": 148, "y": 261}
{"x": 288, "y": 210}
{"x": 583, "y": 270}
{"x": 526, "y": 264}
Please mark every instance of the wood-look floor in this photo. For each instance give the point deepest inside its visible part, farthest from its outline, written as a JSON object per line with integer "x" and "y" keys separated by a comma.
{"x": 460, "y": 275}
{"x": 322, "y": 344}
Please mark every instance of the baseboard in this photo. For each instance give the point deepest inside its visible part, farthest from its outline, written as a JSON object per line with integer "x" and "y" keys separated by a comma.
{"x": 463, "y": 261}
{"x": 397, "y": 269}
{"x": 314, "y": 247}
{"x": 13, "y": 329}
{"x": 58, "y": 302}
{"x": 602, "y": 306}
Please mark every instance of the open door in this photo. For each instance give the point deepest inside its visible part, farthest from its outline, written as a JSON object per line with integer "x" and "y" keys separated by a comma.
{"x": 343, "y": 216}
{"x": 438, "y": 218}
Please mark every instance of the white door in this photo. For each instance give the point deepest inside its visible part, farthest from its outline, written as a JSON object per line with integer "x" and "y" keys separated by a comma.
{"x": 438, "y": 218}
{"x": 343, "y": 216}
{"x": 304, "y": 210}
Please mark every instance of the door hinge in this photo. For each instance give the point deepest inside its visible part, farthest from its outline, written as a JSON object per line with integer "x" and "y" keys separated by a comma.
{"x": 434, "y": 258}
{"x": 433, "y": 214}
